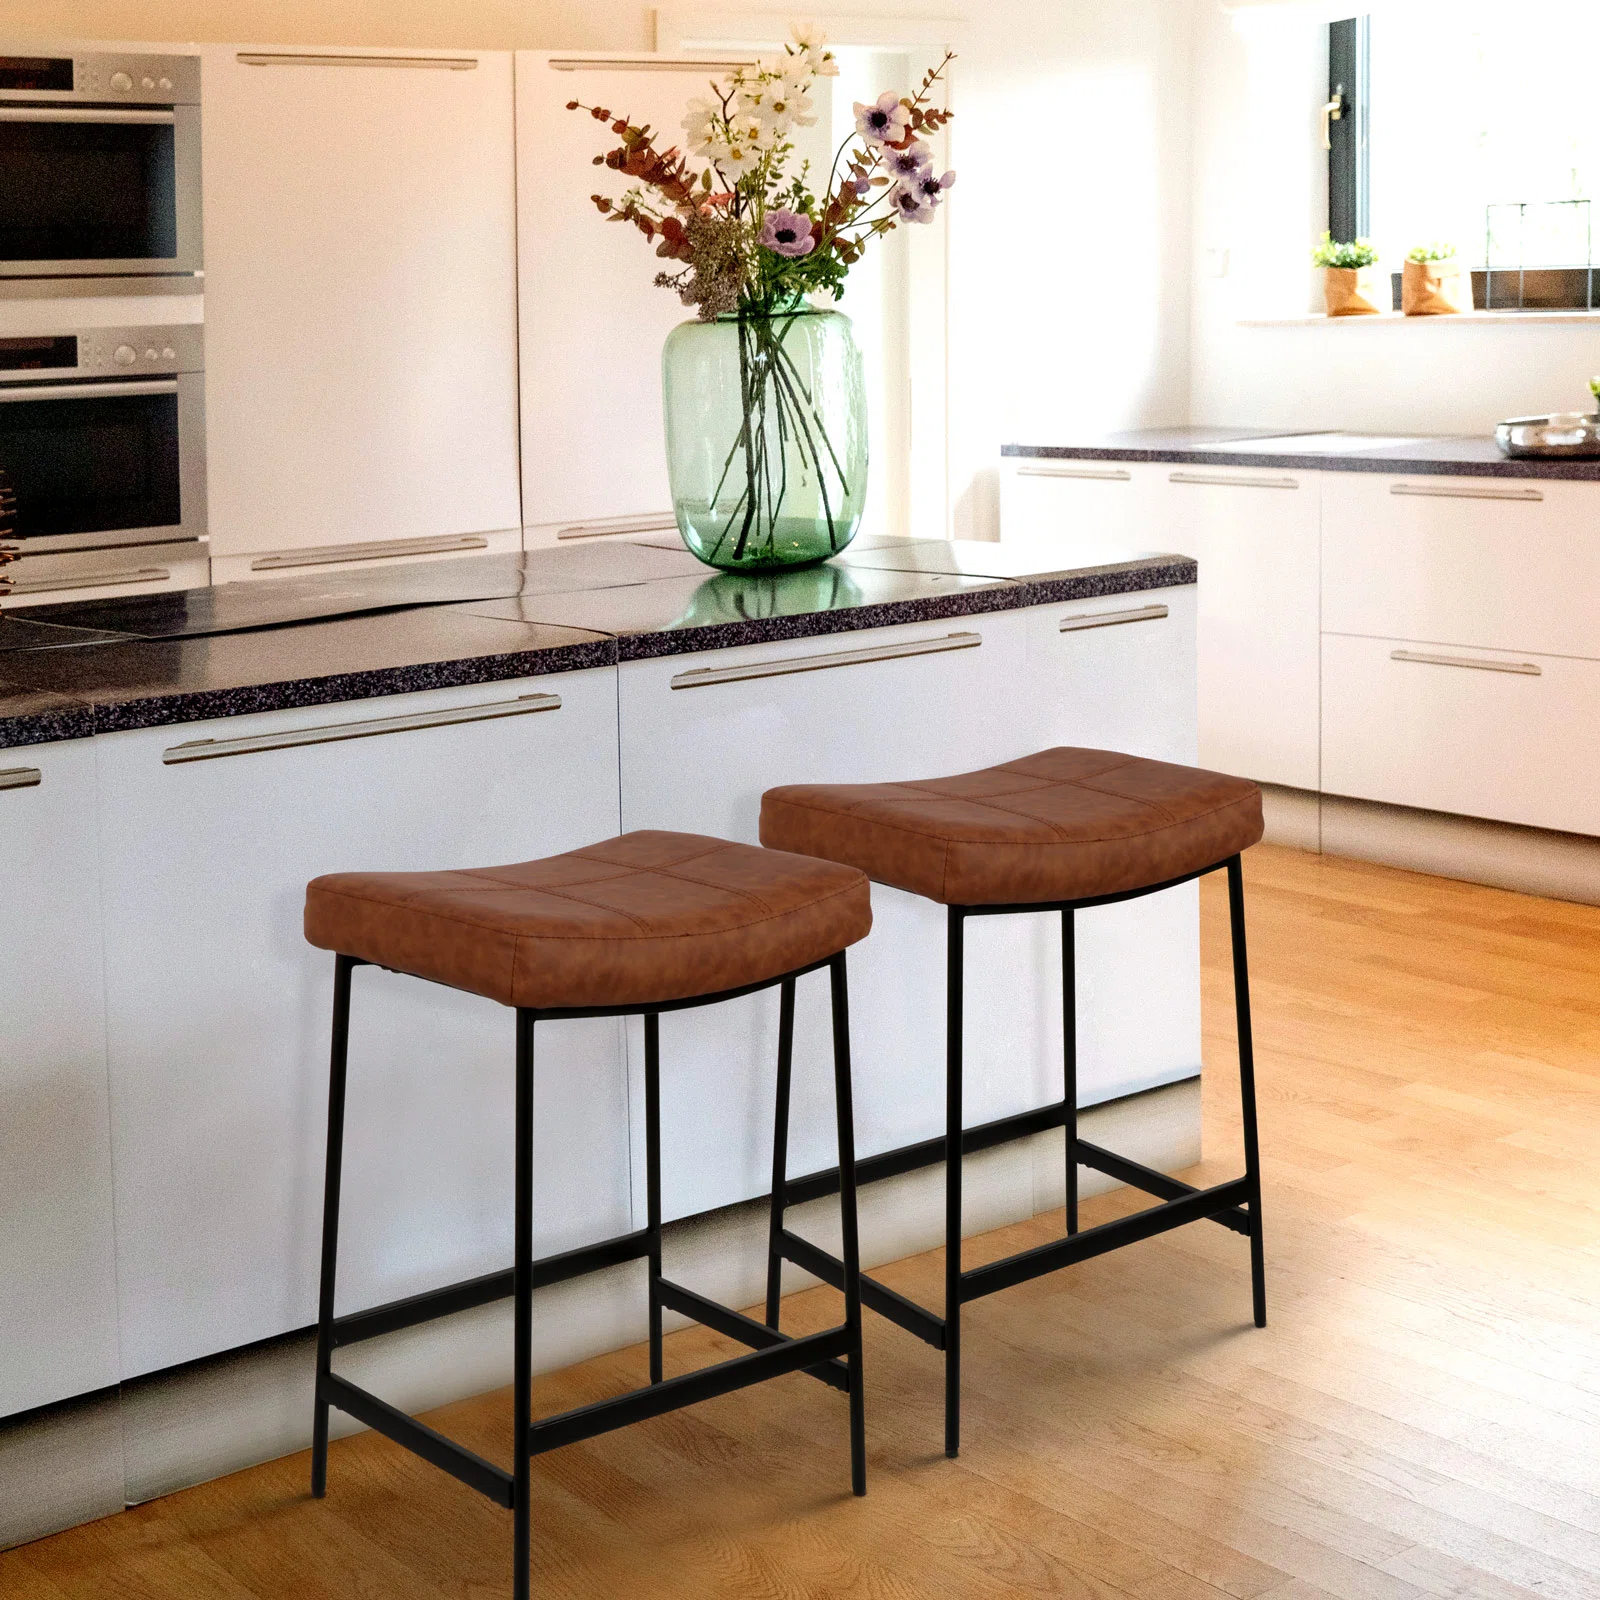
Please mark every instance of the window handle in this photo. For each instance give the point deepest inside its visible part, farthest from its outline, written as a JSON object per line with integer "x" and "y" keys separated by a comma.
{"x": 1331, "y": 113}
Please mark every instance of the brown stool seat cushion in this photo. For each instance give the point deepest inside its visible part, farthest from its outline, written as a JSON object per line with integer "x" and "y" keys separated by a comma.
{"x": 1061, "y": 825}
{"x": 644, "y": 918}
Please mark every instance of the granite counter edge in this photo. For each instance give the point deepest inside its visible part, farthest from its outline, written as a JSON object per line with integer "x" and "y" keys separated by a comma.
{"x": 1399, "y": 465}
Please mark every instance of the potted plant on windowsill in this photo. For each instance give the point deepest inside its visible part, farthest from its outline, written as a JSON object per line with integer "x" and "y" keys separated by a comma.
{"x": 1433, "y": 283}
{"x": 1350, "y": 279}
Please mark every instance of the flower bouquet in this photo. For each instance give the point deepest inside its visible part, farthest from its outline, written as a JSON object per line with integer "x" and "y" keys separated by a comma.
{"x": 764, "y": 395}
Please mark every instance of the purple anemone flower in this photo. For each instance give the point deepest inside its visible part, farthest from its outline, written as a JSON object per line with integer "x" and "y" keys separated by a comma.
{"x": 788, "y": 233}
{"x": 883, "y": 122}
{"x": 931, "y": 189}
{"x": 909, "y": 164}
{"x": 909, "y": 206}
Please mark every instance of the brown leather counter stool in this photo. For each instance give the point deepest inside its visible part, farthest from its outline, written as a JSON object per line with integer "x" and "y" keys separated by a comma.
{"x": 637, "y": 926}
{"x": 1059, "y": 831}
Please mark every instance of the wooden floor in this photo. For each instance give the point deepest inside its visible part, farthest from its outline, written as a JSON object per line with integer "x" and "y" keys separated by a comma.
{"x": 1422, "y": 1417}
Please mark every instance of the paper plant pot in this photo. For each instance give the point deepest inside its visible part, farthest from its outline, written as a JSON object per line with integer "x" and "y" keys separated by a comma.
{"x": 1352, "y": 291}
{"x": 1435, "y": 289}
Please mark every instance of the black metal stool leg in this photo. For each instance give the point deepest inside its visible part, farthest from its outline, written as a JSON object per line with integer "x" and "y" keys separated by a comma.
{"x": 780, "y": 1150}
{"x": 847, "y": 1214}
{"x": 652, "y": 1164}
{"x": 1069, "y": 1058}
{"x": 952, "y": 1183}
{"x": 522, "y": 1330}
{"x": 1247, "y": 1087}
{"x": 339, "y": 1058}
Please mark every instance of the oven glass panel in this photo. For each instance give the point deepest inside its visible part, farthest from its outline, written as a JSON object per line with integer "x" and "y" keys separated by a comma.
{"x": 92, "y": 466}
{"x": 88, "y": 191}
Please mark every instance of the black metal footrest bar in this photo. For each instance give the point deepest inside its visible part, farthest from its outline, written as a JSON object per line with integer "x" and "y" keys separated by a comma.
{"x": 1191, "y": 1207}
{"x": 735, "y": 1325}
{"x": 1153, "y": 1182}
{"x": 874, "y": 1295}
{"x": 910, "y": 1157}
{"x": 486, "y": 1290}
{"x": 419, "y": 1439}
{"x": 638, "y": 1405}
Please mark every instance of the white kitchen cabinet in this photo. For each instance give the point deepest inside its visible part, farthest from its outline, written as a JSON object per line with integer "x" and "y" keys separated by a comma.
{"x": 58, "y": 1309}
{"x": 1256, "y": 535}
{"x": 1482, "y": 732}
{"x": 1502, "y": 563}
{"x": 361, "y": 320}
{"x": 592, "y": 320}
{"x": 698, "y": 758}
{"x": 219, "y": 1013}
{"x": 1043, "y": 499}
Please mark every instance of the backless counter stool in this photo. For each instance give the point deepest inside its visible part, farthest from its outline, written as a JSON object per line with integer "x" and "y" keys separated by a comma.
{"x": 1059, "y": 831}
{"x": 636, "y": 926}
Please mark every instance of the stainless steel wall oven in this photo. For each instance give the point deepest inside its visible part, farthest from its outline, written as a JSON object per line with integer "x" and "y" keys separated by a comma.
{"x": 100, "y": 167}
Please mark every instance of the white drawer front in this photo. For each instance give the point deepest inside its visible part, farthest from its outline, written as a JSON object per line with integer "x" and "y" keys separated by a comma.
{"x": 1076, "y": 500}
{"x": 1485, "y": 733}
{"x": 1500, "y": 563}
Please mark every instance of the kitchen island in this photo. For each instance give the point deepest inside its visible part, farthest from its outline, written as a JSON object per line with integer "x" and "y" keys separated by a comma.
{"x": 175, "y": 767}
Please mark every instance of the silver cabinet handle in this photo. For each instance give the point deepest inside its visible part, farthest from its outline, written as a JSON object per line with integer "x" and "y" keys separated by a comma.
{"x": 642, "y": 64}
{"x": 366, "y": 550}
{"x": 647, "y": 522}
{"x": 1233, "y": 480}
{"x": 703, "y": 677}
{"x": 1459, "y": 492}
{"x": 1102, "y": 474}
{"x": 287, "y": 58}
{"x": 21, "y": 778}
{"x": 1527, "y": 669}
{"x": 85, "y": 114}
{"x": 92, "y": 580}
{"x": 1110, "y": 619}
{"x": 109, "y": 390}
{"x": 334, "y": 733}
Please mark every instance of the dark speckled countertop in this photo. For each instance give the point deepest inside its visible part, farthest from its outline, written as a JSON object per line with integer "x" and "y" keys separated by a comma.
{"x": 73, "y": 670}
{"x": 1451, "y": 456}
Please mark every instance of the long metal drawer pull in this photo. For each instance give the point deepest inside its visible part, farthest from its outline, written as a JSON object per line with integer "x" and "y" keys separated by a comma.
{"x": 642, "y": 64}
{"x": 1527, "y": 669}
{"x": 1233, "y": 481}
{"x": 1102, "y": 474}
{"x": 21, "y": 778}
{"x": 334, "y": 733}
{"x": 84, "y": 114}
{"x": 704, "y": 677}
{"x": 1109, "y": 619}
{"x": 92, "y": 580}
{"x": 109, "y": 390}
{"x": 373, "y": 550}
{"x": 646, "y": 522}
{"x": 287, "y": 58}
{"x": 1455, "y": 492}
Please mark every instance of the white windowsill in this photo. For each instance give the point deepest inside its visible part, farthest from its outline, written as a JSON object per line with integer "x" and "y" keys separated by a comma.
{"x": 1389, "y": 318}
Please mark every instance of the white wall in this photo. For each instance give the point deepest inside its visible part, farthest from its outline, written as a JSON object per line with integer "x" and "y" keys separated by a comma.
{"x": 1260, "y": 190}
{"x": 1069, "y": 257}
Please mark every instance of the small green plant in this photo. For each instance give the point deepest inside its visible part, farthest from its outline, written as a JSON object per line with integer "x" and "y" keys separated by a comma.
{"x": 1594, "y": 387}
{"x": 1432, "y": 252}
{"x": 1353, "y": 253}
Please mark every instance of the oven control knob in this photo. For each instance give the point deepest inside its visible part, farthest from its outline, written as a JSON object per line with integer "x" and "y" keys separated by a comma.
{"x": 152, "y": 354}
{"x": 166, "y": 83}
{"x": 121, "y": 80}
{"x": 148, "y": 83}
{"x": 169, "y": 354}
{"x": 124, "y": 355}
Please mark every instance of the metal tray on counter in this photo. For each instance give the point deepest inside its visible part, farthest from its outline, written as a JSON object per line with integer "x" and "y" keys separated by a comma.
{"x": 1570, "y": 433}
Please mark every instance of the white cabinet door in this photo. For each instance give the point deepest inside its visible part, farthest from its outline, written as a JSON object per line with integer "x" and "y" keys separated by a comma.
{"x": 699, "y": 760}
{"x": 1256, "y": 535}
{"x": 219, "y": 1015}
{"x": 592, "y": 321}
{"x": 360, "y": 299}
{"x": 58, "y": 1308}
{"x": 1088, "y": 501}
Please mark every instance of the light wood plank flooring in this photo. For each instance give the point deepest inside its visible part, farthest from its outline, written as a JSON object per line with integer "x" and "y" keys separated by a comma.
{"x": 1420, "y": 1419}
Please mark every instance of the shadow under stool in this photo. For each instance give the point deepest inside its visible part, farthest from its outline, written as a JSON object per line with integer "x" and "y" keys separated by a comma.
{"x": 1060, "y": 831}
{"x": 641, "y": 925}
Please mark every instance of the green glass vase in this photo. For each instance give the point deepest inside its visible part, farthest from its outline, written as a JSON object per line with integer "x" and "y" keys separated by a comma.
{"x": 766, "y": 420}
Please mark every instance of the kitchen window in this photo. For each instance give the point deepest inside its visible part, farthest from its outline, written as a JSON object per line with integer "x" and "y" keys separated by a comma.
{"x": 1472, "y": 126}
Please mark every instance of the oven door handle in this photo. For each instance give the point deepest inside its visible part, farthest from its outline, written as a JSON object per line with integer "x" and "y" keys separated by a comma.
{"x": 85, "y": 114}
{"x": 109, "y": 390}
